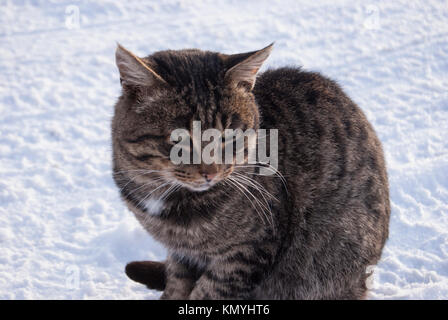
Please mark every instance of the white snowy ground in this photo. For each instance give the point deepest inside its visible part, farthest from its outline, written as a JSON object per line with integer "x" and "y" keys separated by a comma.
{"x": 60, "y": 214}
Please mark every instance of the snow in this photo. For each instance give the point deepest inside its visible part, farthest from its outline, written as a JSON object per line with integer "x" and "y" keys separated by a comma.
{"x": 65, "y": 234}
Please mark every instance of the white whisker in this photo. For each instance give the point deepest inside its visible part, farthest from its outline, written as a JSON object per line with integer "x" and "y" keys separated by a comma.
{"x": 255, "y": 184}
{"x": 265, "y": 166}
{"x": 246, "y": 192}
{"x": 264, "y": 205}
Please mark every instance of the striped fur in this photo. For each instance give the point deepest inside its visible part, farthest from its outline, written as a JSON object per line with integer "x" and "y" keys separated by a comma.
{"x": 326, "y": 222}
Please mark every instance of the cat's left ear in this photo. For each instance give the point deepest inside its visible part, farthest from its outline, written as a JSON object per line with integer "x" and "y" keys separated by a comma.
{"x": 133, "y": 70}
{"x": 245, "y": 72}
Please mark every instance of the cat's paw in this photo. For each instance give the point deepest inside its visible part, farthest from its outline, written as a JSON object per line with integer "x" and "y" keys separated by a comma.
{"x": 149, "y": 273}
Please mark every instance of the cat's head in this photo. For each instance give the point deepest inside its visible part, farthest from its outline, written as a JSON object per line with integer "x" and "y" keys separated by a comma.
{"x": 170, "y": 90}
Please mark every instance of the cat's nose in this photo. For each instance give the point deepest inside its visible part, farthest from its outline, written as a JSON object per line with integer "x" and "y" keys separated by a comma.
{"x": 208, "y": 172}
{"x": 208, "y": 176}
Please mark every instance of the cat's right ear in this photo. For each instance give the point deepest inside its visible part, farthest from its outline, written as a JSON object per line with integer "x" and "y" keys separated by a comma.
{"x": 133, "y": 70}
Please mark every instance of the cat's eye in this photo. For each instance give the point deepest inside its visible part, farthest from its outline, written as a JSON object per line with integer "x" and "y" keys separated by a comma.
{"x": 146, "y": 137}
{"x": 145, "y": 157}
{"x": 229, "y": 139}
{"x": 149, "y": 156}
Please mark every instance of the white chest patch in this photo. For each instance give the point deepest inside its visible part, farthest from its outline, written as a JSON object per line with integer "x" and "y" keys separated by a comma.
{"x": 154, "y": 206}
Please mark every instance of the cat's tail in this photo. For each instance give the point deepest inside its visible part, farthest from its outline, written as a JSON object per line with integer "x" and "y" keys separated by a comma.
{"x": 149, "y": 273}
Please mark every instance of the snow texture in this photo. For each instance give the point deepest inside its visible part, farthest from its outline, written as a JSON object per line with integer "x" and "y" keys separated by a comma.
{"x": 65, "y": 234}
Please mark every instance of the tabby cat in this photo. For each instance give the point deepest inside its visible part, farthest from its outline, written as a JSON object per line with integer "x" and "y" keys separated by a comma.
{"x": 324, "y": 212}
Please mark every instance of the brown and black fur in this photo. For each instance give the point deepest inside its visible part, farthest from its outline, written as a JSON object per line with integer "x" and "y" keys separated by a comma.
{"x": 331, "y": 216}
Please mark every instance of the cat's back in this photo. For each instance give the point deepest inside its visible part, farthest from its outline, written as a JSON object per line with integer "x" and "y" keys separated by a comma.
{"x": 319, "y": 125}
{"x": 305, "y": 93}
{"x": 325, "y": 140}
{"x": 337, "y": 183}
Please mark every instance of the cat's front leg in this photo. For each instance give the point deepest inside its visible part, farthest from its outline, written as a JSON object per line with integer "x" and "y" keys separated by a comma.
{"x": 234, "y": 276}
{"x": 180, "y": 280}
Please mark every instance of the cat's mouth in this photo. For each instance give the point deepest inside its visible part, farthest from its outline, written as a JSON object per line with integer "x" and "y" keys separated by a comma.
{"x": 199, "y": 187}
{"x": 199, "y": 183}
